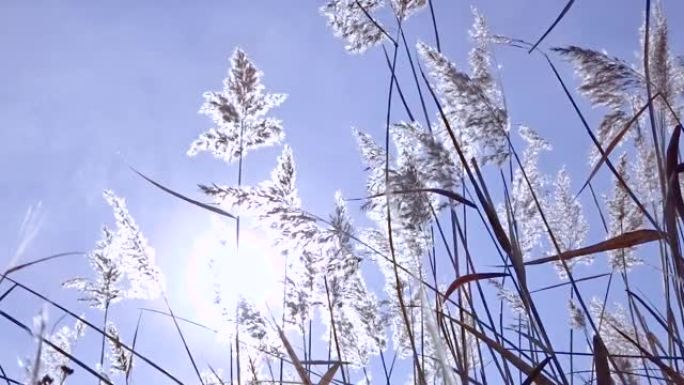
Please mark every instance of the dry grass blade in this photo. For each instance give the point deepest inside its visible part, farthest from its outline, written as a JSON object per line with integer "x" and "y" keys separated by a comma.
{"x": 673, "y": 200}
{"x": 183, "y": 197}
{"x": 537, "y": 370}
{"x": 462, "y": 280}
{"x": 561, "y": 15}
{"x": 614, "y": 142}
{"x": 511, "y": 357}
{"x": 295, "y": 360}
{"x": 492, "y": 216}
{"x": 622, "y": 241}
{"x": 671, "y": 169}
{"x": 446, "y": 193}
{"x": 329, "y": 375}
{"x": 601, "y": 362}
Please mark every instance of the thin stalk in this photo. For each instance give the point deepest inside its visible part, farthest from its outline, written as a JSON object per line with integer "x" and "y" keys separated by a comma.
{"x": 104, "y": 327}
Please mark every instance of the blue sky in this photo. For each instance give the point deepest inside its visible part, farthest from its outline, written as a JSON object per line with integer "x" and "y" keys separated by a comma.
{"x": 87, "y": 87}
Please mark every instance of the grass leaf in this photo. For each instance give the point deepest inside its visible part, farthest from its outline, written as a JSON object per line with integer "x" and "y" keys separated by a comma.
{"x": 511, "y": 357}
{"x": 560, "y": 16}
{"x": 446, "y": 193}
{"x": 629, "y": 239}
{"x": 462, "y": 280}
{"x": 182, "y": 337}
{"x": 614, "y": 142}
{"x": 537, "y": 370}
{"x": 328, "y": 376}
{"x": 295, "y": 360}
{"x": 205, "y": 206}
{"x": 601, "y": 362}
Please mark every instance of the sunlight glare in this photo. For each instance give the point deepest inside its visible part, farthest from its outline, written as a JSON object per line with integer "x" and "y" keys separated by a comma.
{"x": 215, "y": 270}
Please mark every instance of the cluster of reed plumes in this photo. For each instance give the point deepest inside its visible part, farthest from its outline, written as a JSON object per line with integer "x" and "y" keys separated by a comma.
{"x": 430, "y": 197}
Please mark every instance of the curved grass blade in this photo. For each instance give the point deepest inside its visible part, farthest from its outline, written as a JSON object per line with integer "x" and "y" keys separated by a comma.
{"x": 44, "y": 259}
{"x": 673, "y": 200}
{"x": 629, "y": 239}
{"x": 446, "y": 193}
{"x": 462, "y": 280}
{"x": 205, "y": 206}
{"x": 561, "y": 15}
{"x": 671, "y": 169}
{"x": 37, "y": 261}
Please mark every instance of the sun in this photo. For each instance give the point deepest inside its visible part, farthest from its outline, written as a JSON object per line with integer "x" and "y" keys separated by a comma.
{"x": 217, "y": 271}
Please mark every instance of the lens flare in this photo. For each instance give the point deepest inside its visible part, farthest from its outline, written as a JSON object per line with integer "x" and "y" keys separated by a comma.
{"x": 218, "y": 274}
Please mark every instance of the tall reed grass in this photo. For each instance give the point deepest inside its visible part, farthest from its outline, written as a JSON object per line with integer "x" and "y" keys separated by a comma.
{"x": 453, "y": 180}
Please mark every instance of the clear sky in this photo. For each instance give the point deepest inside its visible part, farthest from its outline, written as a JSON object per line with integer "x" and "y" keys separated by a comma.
{"x": 87, "y": 86}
